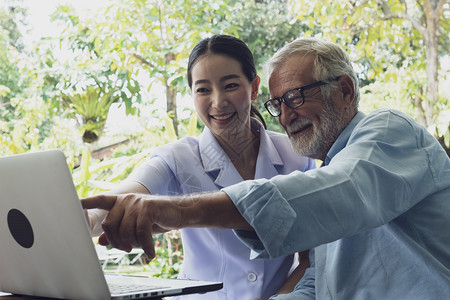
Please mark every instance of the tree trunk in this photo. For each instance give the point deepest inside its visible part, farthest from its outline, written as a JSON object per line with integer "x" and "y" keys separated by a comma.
{"x": 171, "y": 96}
{"x": 433, "y": 11}
{"x": 431, "y": 39}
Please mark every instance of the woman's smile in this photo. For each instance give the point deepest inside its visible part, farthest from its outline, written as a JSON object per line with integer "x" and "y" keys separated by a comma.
{"x": 222, "y": 117}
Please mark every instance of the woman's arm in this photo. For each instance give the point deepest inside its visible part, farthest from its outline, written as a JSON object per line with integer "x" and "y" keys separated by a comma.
{"x": 297, "y": 274}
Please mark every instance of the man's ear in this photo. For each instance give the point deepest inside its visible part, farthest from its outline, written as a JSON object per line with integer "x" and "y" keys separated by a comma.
{"x": 255, "y": 87}
{"x": 347, "y": 89}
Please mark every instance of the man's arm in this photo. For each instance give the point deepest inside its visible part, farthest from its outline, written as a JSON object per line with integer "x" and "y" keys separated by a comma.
{"x": 133, "y": 218}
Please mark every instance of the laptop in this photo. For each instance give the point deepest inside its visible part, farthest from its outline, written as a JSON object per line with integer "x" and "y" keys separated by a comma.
{"x": 46, "y": 248}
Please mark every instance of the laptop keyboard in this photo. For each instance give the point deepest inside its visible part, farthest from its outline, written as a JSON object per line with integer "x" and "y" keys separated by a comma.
{"x": 120, "y": 288}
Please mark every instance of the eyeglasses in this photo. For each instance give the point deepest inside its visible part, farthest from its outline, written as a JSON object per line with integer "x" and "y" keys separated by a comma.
{"x": 292, "y": 98}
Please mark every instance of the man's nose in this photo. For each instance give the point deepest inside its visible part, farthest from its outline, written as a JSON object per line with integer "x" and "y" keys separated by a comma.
{"x": 287, "y": 115}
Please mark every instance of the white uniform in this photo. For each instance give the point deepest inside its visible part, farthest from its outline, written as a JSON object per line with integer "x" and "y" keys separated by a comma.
{"x": 193, "y": 165}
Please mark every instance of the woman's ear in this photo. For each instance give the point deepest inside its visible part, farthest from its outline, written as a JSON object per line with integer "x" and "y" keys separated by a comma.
{"x": 255, "y": 87}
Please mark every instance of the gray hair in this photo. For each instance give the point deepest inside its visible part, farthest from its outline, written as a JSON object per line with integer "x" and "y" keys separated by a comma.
{"x": 331, "y": 61}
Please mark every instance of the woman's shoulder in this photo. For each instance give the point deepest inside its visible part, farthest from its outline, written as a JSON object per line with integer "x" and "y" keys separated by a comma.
{"x": 184, "y": 142}
{"x": 183, "y": 146}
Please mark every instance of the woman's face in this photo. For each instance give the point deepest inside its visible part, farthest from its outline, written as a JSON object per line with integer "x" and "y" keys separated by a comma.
{"x": 222, "y": 94}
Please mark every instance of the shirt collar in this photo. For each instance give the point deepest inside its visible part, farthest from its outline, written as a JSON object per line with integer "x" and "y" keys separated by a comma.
{"x": 342, "y": 139}
{"x": 215, "y": 159}
{"x": 268, "y": 156}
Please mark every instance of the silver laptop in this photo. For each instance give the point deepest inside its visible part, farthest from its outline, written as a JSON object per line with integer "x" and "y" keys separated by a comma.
{"x": 46, "y": 248}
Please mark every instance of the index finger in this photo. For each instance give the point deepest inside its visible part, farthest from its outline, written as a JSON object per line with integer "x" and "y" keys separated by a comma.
{"x": 99, "y": 201}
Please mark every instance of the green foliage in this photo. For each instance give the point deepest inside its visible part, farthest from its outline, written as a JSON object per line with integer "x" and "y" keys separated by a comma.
{"x": 92, "y": 105}
{"x": 4, "y": 91}
{"x": 387, "y": 94}
{"x": 11, "y": 17}
{"x": 22, "y": 133}
{"x": 93, "y": 176}
{"x": 31, "y": 127}
{"x": 11, "y": 48}
{"x": 265, "y": 26}
{"x": 393, "y": 43}
{"x": 376, "y": 43}
{"x": 26, "y": 126}
{"x": 89, "y": 78}
{"x": 169, "y": 255}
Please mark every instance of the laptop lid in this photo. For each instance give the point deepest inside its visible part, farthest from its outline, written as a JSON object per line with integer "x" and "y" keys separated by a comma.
{"x": 45, "y": 243}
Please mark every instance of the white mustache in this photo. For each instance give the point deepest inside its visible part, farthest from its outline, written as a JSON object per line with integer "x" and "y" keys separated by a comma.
{"x": 298, "y": 125}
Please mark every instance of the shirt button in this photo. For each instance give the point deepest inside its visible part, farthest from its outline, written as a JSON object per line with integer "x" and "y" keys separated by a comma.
{"x": 252, "y": 277}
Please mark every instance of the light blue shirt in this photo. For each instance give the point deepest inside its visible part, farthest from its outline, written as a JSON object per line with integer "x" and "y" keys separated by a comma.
{"x": 377, "y": 214}
{"x": 193, "y": 165}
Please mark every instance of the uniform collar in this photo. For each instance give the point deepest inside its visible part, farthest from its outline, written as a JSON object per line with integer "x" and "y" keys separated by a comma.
{"x": 215, "y": 161}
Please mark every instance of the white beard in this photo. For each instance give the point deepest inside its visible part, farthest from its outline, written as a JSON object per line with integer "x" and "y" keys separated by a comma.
{"x": 319, "y": 140}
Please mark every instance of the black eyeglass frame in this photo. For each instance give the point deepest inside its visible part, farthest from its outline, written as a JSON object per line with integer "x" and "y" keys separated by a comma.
{"x": 300, "y": 89}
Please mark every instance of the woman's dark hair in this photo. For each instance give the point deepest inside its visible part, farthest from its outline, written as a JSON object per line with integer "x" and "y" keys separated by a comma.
{"x": 233, "y": 48}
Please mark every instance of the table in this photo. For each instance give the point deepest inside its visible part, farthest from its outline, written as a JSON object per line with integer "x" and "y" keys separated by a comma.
{"x": 7, "y": 296}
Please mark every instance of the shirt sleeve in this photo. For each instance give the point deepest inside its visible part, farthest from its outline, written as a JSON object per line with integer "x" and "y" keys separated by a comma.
{"x": 156, "y": 176}
{"x": 376, "y": 176}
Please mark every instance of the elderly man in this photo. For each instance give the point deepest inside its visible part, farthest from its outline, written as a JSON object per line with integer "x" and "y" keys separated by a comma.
{"x": 376, "y": 215}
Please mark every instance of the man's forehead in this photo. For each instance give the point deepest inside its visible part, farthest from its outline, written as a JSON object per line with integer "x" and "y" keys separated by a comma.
{"x": 293, "y": 73}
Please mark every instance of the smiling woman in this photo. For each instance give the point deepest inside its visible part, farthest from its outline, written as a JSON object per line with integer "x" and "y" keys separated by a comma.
{"x": 234, "y": 146}
{"x": 222, "y": 97}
